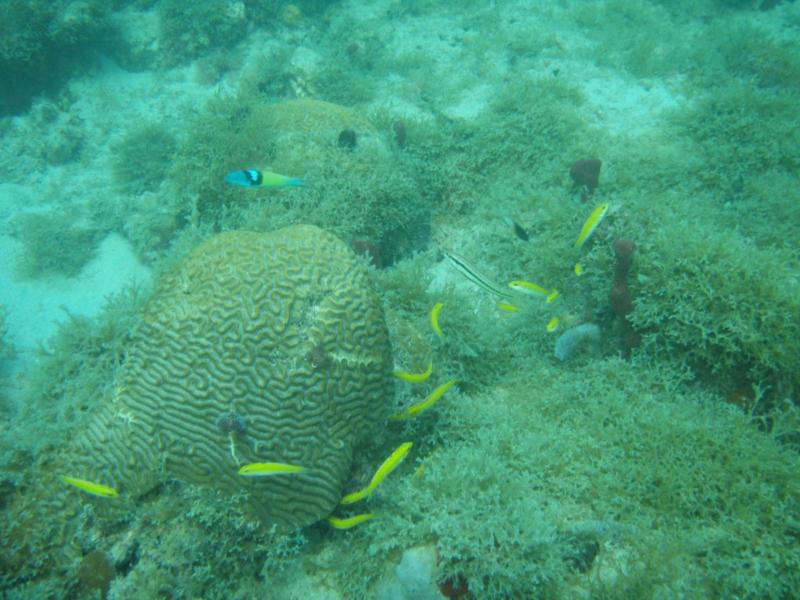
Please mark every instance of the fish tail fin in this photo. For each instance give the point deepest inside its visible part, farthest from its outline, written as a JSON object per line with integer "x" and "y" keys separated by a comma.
{"x": 295, "y": 182}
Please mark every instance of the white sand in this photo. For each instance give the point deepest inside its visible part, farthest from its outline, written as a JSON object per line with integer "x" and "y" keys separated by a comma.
{"x": 36, "y": 306}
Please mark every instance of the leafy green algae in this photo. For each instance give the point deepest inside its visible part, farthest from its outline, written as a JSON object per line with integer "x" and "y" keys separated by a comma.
{"x": 54, "y": 243}
{"x": 681, "y": 493}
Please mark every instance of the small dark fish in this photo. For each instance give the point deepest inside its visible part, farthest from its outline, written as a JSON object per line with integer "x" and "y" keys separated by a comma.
{"x": 347, "y": 139}
{"x": 519, "y": 230}
{"x": 521, "y": 233}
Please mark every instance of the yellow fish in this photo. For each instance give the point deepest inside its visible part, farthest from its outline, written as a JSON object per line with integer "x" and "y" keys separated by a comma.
{"x": 389, "y": 465}
{"x": 507, "y": 306}
{"x": 437, "y": 308}
{"x": 526, "y": 287}
{"x": 553, "y": 324}
{"x": 553, "y": 295}
{"x": 349, "y": 521}
{"x": 415, "y": 377}
{"x": 266, "y": 469}
{"x": 95, "y": 489}
{"x": 415, "y": 409}
{"x": 354, "y": 496}
{"x": 578, "y": 269}
{"x": 591, "y": 224}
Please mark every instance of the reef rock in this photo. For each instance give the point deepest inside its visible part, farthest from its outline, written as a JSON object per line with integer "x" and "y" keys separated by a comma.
{"x": 279, "y": 333}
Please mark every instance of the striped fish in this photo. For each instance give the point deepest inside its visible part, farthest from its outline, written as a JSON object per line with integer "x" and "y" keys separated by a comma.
{"x": 475, "y": 276}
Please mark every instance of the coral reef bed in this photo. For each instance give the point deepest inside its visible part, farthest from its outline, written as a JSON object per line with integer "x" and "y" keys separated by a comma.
{"x": 609, "y": 414}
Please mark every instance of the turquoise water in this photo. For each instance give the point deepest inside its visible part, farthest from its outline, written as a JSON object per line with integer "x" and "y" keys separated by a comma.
{"x": 584, "y": 214}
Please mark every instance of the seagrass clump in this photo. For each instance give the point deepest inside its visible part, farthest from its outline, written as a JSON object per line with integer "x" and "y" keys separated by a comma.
{"x": 257, "y": 348}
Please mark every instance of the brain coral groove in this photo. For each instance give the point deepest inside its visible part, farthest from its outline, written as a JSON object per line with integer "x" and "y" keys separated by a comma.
{"x": 282, "y": 329}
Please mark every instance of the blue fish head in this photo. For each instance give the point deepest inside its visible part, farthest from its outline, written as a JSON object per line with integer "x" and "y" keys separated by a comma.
{"x": 245, "y": 178}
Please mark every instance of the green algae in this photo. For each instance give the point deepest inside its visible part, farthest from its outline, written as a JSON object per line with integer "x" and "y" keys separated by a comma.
{"x": 54, "y": 243}
{"x": 42, "y": 43}
{"x": 510, "y": 476}
{"x": 143, "y": 158}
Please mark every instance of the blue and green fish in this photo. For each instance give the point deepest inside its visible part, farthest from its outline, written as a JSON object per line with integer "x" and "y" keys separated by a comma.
{"x": 254, "y": 178}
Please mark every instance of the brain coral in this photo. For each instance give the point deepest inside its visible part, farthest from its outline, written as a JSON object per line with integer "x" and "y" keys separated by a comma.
{"x": 280, "y": 334}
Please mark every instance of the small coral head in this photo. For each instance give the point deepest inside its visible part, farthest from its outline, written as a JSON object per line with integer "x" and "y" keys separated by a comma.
{"x": 586, "y": 172}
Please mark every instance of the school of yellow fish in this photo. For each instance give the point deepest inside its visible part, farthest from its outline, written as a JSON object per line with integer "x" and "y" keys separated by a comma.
{"x": 265, "y": 469}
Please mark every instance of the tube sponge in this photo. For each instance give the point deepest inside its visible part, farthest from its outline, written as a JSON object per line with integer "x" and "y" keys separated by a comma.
{"x": 574, "y": 340}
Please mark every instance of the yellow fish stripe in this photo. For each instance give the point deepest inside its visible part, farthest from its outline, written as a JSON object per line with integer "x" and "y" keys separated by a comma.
{"x": 507, "y": 306}
{"x": 354, "y": 497}
{"x": 415, "y": 409}
{"x": 437, "y": 308}
{"x": 591, "y": 224}
{"x": 553, "y": 324}
{"x": 95, "y": 489}
{"x": 389, "y": 465}
{"x": 415, "y": 377}
{"x": 349, "y": 521}
{"x": 553, "y": 295}
{"x": 266, "y": 469}
{"x": 526, "y": 287}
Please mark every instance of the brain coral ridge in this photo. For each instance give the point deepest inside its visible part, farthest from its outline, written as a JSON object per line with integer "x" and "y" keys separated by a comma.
{"x": 282, "y": 331}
